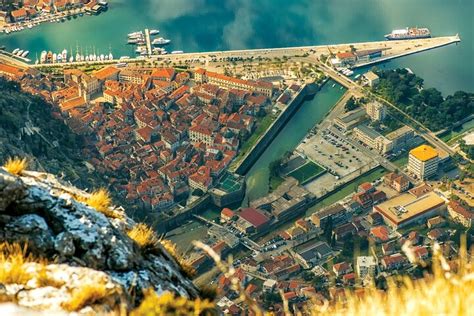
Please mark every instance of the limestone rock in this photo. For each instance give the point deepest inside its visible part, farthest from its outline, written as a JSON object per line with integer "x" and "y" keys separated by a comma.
{"x": 11, "y": 189}
{"x": 41, "y": 210}
{"x": 64, "y": 244}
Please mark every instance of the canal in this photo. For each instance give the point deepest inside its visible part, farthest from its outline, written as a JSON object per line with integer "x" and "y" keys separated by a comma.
{"x": 310, "y": 113}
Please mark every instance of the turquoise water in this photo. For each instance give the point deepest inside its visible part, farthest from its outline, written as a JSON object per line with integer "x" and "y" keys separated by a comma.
{"x": 307, "y": 116}
{"x": 202, "y": 25}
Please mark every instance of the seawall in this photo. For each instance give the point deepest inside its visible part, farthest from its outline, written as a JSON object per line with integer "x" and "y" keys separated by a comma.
{"x": 257, "y": 150}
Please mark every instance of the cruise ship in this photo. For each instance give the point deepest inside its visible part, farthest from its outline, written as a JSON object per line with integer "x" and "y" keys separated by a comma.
{"x": 409, "y": 33}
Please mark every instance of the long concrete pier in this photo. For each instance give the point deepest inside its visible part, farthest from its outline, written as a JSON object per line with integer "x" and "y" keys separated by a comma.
{"x": 148, "y": 42}
{"x": 393, "y": 49}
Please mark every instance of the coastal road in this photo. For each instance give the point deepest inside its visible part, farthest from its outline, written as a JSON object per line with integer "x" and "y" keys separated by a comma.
{"x": 392, "y": 49}
{"x": 359, "y": 90}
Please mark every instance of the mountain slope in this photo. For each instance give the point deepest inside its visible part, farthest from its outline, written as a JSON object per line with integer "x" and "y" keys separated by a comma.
{"x": 28, "y": 129}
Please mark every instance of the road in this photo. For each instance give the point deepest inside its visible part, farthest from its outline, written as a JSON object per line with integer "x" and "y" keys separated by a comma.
{"x": 245, "y": 241}
{"x": 359, "y": 90}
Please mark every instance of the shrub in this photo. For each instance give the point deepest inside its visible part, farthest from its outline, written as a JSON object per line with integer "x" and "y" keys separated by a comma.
{"x": 16, "y": 165}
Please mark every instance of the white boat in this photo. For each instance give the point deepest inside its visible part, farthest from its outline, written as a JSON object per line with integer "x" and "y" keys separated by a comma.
{"x": 20, "y": 52}
{"x": 106, "y": 57}
{"x": 111, "y": 57}
{"x": 357, "y": 76}
{"x": 160, "y": 41}
{"x": 135, "y": 34}
{"x": 43, "y": 56}
{"x": 138, "y": 40}
{"x": 124, "y": 57}
{"x": 71, "y": 59}
{"x": 78, "y": 57}
{"x": 59, "y": 58}
{"x": 55, "y": 57}
{"x": 15, "y": 51}
{"x": 177, "y": 52}
{"x": 102, "y": 56}
{"x": 25, "y": 53}
{"x": 154, "y": 32}
{"x": 87, "y": 57}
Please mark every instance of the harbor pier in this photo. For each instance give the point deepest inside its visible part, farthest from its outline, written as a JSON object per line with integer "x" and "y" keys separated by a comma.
{"x": 149, "y": 50}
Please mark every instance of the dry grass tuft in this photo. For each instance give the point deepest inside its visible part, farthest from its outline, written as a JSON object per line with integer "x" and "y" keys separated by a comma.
{"x": 16, "y": 165}
{"x": 447, "y": 291}
{"x": 100, "y": 200}
{"x": 43, "y": 279}
{"x": 86, "y": 295}
{"x": 146, "y": 239}
{"x": 208, "y": 291}
{"x": 186, "y": 267}
{"x": 13, "y": 258}
{"x": 168, "y": 304}
{"x": 144, "y": 236}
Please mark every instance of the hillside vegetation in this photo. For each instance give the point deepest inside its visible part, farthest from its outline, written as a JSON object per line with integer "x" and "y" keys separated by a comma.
{"x": 28, "y": 129}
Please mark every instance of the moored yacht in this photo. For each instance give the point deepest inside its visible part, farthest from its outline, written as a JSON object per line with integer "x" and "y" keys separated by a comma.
{"x": 43, "y": 56}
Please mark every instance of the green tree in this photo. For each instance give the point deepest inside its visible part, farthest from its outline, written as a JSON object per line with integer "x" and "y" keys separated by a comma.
{"x": 350, "y": 105}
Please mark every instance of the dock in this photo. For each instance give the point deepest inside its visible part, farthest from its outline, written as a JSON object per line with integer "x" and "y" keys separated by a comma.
{"x": 149, "y": 50}
{"x": 304, "y": 53}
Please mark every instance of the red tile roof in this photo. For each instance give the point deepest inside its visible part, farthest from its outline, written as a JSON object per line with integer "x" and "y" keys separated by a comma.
{"x": 254, "y": 217}
{"x": 380, "y": 232}
{"x": 227, "y": 212}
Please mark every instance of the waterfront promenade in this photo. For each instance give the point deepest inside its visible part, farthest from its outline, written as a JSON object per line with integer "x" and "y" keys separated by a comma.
{"x": 394, "y": 49}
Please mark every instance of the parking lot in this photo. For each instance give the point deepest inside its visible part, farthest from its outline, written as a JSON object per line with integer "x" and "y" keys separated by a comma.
{"x": 342, "y": 161}
{"x": 338, "y": 156}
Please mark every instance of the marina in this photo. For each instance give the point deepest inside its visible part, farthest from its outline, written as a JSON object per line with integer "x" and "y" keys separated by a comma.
{"x": 145, "y": 45}
{"x": 58, "y": 17}
{"x": 219, "y": 35}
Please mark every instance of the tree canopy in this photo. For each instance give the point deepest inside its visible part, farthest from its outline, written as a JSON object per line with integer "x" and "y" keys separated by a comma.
{"x": 425, "y": 105}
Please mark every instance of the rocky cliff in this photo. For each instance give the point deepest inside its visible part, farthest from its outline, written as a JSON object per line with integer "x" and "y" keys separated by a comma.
{"x": 74, "y": 250}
